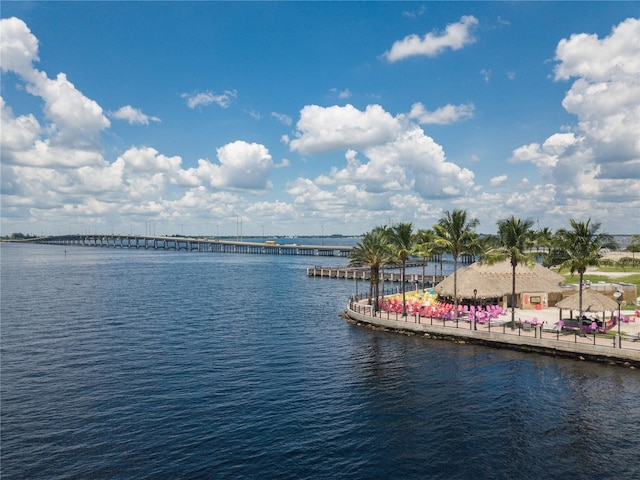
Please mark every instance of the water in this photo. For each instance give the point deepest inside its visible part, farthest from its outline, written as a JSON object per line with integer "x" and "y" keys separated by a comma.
{"x": 152, "y": 364}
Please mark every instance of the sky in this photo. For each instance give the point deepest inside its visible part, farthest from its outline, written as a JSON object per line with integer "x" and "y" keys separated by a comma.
{"x": 317, "y": 118}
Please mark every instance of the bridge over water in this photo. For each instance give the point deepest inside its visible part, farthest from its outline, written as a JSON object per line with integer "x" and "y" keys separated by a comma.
{"x": 192, "y": 244}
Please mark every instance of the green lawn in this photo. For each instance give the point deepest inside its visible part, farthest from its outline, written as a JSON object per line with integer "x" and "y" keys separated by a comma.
{"x": 601, "y": 276}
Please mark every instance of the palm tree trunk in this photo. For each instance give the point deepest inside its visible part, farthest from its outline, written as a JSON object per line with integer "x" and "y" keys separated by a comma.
{"x": 580, "y": 302}
{"x": 404, "y": 300}
{"x": 513, "y": 297}
{"x": 372, "y": 276}
{"x": 377, "y": 306}
{"x": 455, "y": 288}
{"x": 377, "y": 289}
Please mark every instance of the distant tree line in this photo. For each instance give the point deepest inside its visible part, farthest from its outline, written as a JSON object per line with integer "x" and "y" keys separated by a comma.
{"x": 18, "y": 236}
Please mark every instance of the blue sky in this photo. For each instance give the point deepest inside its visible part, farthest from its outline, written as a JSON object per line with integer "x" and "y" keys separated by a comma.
{"x": 305, "y": 118}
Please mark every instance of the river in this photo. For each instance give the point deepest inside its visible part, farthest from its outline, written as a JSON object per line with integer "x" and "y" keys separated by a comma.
{"x": 120, "y": 363}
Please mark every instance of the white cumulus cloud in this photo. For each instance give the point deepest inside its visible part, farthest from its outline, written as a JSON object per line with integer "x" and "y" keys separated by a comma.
{"x": 18, "y": 46}
{"x": 149, "y": 160}
{"x": 443, "y": 115}
{"x": 75, "y": 122}
{"x": 203, "y": 99}
{"x": 323, "y": 129}
{"x": 18, "y": 133}
{"x": 585, "y": 55}
{"x": 424, "y": 162}
{"x": 133, "y": 115}
{"x": 601, "y": 155}
{"x": 398, "y": 155}
{"x": 455, "y": 36}
{"x": 499, "y": 180}
{"x": 242, "y": 166}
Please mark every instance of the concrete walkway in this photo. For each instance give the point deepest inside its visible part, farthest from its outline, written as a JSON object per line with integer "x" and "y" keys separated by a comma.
{"x": 550, "y": 340}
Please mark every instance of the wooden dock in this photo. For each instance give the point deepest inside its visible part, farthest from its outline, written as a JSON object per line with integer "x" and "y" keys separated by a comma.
{"x": 363, "y": 273}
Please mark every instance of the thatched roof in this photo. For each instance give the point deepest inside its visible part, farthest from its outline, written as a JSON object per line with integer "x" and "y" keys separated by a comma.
{"x": 495, "y": 280}
{"x": 592, "y": 301}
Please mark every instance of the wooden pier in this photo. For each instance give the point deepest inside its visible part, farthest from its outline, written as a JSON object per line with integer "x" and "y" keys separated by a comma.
{"x": 192, "y": 244}
{"x": 363, "y": 273}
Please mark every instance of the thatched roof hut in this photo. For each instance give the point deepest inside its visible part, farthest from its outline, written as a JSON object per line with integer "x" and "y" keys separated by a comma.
{"x": 494, "y": 281}
{"x": 592, "y": 301}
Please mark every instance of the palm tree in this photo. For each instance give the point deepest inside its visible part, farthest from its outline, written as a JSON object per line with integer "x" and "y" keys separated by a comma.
{"x": 579, "y": 248}
{"x": 424, "y": 248}
{"x": 438, "y": 250}
{"x": 543, "y": 238}
{"x": 402, "y": 240}
{"x": 486, "y": 243}
{"x": 455, "y": 234}
{"x": 516, "y": 239}
{"x": 373, "y": 250}
{"x": 634, "y": 246}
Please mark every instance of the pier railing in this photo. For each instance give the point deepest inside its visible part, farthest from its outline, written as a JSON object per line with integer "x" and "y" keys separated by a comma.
{"x": 364, "y": 273}
{"x": 617, "y": 348}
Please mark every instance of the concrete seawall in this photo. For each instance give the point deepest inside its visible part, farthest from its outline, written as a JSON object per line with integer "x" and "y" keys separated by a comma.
{"x": 611, "y": 353}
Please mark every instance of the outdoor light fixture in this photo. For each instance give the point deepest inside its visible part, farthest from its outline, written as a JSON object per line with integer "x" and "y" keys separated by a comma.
{"x": 475, "y": 307}
{"x": 355, "y": 275}
{"x": 618, "y": 295}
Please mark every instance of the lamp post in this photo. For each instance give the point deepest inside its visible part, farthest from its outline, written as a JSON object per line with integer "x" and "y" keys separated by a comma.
{"x": 618, "y": 295}
{"x": 475, "y": 306}
{"x": 489, "y": 322}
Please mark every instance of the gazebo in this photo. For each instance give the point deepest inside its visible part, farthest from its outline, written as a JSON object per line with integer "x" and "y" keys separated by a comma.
{"x": 484, "y": 281}
{"x": 592, "y": 302}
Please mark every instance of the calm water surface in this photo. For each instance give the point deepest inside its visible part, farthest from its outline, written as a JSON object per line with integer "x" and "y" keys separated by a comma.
{"x": 153, "y": 364}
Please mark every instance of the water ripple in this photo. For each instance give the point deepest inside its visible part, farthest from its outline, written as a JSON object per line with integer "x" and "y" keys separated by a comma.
{"x": 136, "y": 364}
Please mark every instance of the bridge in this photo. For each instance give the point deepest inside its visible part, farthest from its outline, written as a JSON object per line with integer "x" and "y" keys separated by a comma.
{"x": 191, "y": 244}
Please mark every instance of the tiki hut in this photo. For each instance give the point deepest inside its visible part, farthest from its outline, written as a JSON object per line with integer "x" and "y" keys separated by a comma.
{"x": 536, "y": 287}
{"x": 592, "y": 302}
